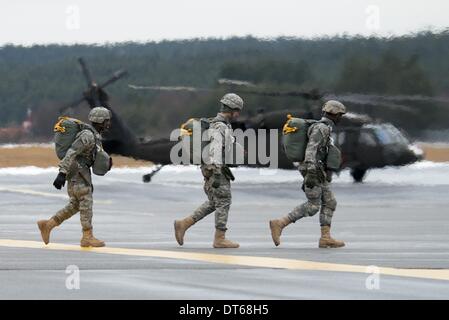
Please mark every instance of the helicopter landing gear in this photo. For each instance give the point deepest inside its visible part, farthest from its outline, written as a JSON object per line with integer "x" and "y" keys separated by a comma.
{"x": 147, "y": 177}
{"x": 358, "y": 174}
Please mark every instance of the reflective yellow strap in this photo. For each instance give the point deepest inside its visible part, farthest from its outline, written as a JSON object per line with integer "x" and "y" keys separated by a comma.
{"x": 58, "y": 126}
{"x": 287, "y": 129}
{"x": 184, "y": 131}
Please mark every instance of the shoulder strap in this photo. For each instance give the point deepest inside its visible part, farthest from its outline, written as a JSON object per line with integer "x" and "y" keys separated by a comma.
{"x": 313, "y": 124}
{"x": 85, "y": 126}
{"x": 214, "y": 120}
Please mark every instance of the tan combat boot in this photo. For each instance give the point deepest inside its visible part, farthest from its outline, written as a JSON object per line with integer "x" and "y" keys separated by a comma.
{"x": 45, "y": 226}
{"x": 276, "y": 227}
{"x": 326, "y": 241}
{"x": 181, "y": 227}
{"x": 221, "y": 242}
{"x": 88, "y": 240}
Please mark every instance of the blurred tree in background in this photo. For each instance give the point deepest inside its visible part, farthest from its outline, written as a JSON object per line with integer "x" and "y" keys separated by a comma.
{"x": 46, "y": 77}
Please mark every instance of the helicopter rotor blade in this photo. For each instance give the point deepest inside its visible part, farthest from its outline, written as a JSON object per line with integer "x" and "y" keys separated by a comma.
{"x": 392, "y": 102}
{"x": 86, "y": 72}
{"x": 235, "y": 82}
{"x": 409, "y": 98}
{"x": 167, "y": 88}
{"x": 116, "y": 76}
{"x": 370, "y": 100}
{"x": 312, "y": 95}
{"x": 261, "y": 91}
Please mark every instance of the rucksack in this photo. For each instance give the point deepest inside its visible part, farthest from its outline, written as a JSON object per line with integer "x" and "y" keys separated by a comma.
{"x": 66, "y": 130}
{"x": 102, "y": 162}
{"x": 295, "y": 138}
{"x": 189, "y": 137}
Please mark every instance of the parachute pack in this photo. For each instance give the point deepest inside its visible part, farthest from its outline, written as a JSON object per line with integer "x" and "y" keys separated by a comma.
{"x": 102, "y": 162}
{"x": 197, "y": 148}
{"x": 189, "y": 136}
{"x": 66, "y": 130}
{"x": 295, "y": 138}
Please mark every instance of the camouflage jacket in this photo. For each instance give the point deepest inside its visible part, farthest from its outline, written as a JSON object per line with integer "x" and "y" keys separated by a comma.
{"x": 221, "y": 141}
{"x": 317, "y": 147}
{"x": 80, "y": 156}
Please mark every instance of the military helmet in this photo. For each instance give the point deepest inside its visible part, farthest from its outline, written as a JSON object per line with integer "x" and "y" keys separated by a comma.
{"x": 232, "y": 101}
{"x": 334, "y": 107}
{"x": 99, "y": 115}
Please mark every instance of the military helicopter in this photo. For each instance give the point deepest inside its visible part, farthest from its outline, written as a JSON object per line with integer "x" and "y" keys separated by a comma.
{"x": 365, "y": 143}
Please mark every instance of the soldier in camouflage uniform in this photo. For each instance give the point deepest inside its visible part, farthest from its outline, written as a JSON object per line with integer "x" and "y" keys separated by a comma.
{"x": 316, "y": 179}
{"x": 217, "y": 175}
{"x": 75, "y": 168}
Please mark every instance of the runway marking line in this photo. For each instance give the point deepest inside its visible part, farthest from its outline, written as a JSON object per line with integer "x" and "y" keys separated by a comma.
{"x": 45, "y": 194}
{"x": 248, "y": 261}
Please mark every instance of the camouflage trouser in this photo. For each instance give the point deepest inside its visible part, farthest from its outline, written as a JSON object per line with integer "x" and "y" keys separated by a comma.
{"x": 80, "y": 194}
{"x": 219, "y": 201}
{"x": 319, "y": 198}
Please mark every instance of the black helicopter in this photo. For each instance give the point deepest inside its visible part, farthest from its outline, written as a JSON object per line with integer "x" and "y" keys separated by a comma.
{"x": 364, "y": 142}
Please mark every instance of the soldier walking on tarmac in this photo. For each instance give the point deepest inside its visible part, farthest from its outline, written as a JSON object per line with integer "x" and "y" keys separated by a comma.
{"x": 317, "y": 179}
{"x": 217, "y": 176}
{"x": 75, "y": 169}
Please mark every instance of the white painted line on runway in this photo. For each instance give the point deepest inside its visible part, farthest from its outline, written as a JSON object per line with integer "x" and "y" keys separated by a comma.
{"x": 248, "y": 261}
{"x": 34, "y": 193}
{"x": 46, "y": 194}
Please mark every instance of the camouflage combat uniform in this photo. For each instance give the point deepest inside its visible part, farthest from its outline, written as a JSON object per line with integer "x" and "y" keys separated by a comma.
{"x": 76, "y": 165}
{"x": 219, "y": 199}
{"x": 319, "y": 198}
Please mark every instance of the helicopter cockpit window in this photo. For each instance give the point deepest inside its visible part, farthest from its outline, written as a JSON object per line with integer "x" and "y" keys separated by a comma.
{"x": 395, "y": 134}
{"x": 387, "y": 134}
{"x": 341, "y": 137}
{"x": 334, "y": 137}
{"x": 367, "y": 138}
{"x": 338, "y": 137}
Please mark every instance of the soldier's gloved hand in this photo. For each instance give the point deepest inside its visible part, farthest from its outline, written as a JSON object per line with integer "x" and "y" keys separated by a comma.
{"x": 215, "y": 180}
{"x": 311, "y": 179}
{"x": 59, "y": 181}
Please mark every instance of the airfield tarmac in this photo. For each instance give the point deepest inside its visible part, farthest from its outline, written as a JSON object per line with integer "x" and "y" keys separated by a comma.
{"x": 397, "y": 221}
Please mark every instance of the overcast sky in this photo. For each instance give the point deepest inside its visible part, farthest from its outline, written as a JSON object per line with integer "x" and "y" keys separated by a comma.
{"x": 98, "y": 21}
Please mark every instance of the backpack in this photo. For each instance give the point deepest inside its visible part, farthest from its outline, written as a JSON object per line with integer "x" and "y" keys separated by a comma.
{"x": 295, "y": 138}
{"x": 66, "y": 130}
{"x": 195, "y": 150}
{"x": 102, "y": 162}
{"x": 189, "y": 136}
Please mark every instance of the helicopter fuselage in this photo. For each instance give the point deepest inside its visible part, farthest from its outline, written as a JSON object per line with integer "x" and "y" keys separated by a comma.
{"x": 364, "y": 143}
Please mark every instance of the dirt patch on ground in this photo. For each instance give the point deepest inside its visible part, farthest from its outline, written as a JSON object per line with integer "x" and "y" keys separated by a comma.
{"x": 436, "y": 152}
{"x": 45, "y": 157}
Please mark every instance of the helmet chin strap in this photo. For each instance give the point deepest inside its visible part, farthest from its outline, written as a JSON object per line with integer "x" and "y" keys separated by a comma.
{"x": 99, "y": 127}
{"x": 335, "y": 118}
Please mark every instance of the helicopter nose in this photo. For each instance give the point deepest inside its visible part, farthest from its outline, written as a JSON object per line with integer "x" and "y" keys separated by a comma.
{"x": 416, "y": 152}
